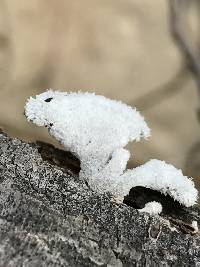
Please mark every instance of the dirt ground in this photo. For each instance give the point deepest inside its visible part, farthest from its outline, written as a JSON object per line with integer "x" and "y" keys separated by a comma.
{"x": 119, "y": 48}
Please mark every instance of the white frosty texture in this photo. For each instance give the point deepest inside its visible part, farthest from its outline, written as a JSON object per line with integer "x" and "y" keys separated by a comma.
{"x": 92, "y": 127}
{"x": 96, "y": 129}
{"x": 152, "y": 207}
{"x": 160, "y": 176}
{"x": 107, "y": 179}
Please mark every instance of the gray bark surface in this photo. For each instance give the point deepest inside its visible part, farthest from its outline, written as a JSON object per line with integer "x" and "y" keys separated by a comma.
{"x": 48, "y": 217}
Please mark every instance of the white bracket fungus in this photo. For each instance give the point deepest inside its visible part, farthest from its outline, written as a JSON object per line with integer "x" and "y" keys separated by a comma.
{"x": 96, "y": 129}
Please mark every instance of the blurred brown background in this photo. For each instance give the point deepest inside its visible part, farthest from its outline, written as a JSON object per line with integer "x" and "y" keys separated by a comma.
{"x": 122, "y": 49}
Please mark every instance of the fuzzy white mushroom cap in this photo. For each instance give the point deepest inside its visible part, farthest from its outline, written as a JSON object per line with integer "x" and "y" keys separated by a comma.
{"x": 163, "y": 177}
{"x": 84, "y": 121}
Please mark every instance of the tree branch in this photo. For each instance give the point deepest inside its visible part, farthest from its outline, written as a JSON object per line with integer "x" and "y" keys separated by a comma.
{"x": 178, "y": 19}
{"x": 49, "y": 217}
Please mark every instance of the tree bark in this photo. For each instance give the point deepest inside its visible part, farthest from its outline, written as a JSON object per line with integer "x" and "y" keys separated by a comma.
{"x": 48, "y": 217}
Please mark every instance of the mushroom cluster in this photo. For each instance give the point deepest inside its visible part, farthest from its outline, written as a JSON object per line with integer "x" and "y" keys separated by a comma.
{"x": 96, "y": 129}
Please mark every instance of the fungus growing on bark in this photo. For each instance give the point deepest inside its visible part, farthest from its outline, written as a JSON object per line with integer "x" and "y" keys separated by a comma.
{"x": 96, "y": 130}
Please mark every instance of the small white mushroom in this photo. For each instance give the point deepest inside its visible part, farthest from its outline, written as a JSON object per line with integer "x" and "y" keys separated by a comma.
{"x": 152, "y": 208}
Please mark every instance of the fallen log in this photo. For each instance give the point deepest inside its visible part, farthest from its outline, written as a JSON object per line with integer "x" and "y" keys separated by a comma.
{"x": 49, "y": 217}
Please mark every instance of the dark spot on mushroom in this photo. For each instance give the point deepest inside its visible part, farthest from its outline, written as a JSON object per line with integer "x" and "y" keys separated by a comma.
{"x": 48, "y": 99}
{"x": 89, "y": 142}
